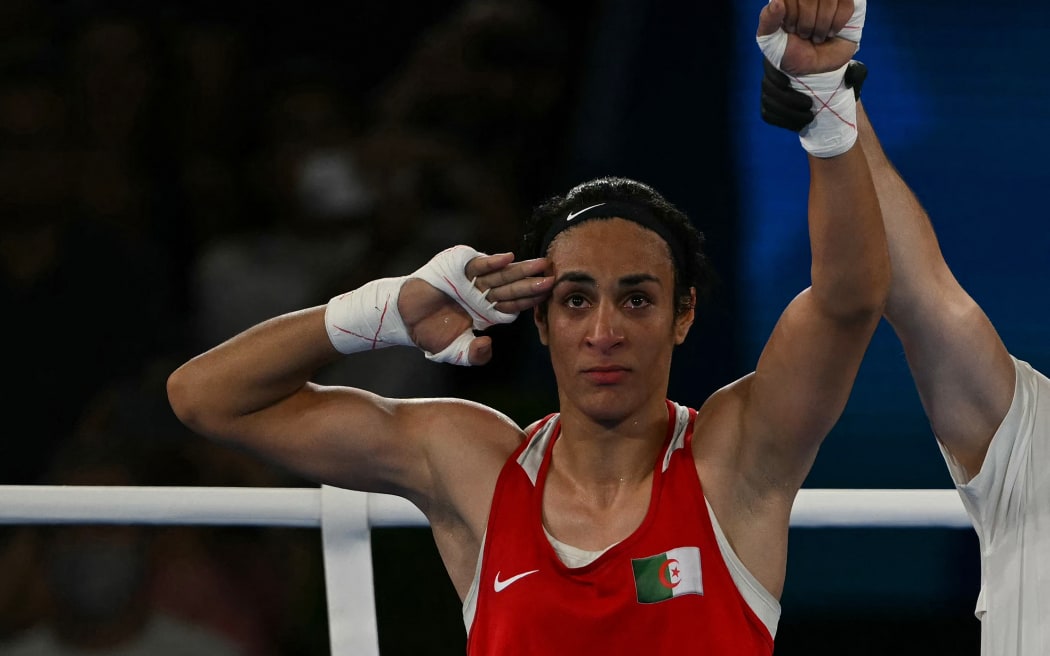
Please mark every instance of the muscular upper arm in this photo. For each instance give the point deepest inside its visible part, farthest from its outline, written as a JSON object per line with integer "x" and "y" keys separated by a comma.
{"x": 799, "y": 388}
{"x": 756, "y": 438}
{"x": 806, "y": 370}
{"x": 964, "y": 374}
{"x": 358, "y": 440}
{"x": 253, "y": 391}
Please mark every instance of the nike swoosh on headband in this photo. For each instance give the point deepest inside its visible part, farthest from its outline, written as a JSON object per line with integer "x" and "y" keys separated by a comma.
{"x": 499, "y": 586}
{"x": 573, "y": 215}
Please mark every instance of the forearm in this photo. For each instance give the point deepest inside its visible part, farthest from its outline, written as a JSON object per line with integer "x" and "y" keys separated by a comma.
{"x": 927, "y": 306}
{"x": 251, "y": 371}
{"x": 923, "y": 286}
{"x": 963, "y": 371}
{"x": 850, "y": 268}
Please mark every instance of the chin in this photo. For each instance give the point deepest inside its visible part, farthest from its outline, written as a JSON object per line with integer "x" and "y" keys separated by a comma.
{"x": 608, "y": 405}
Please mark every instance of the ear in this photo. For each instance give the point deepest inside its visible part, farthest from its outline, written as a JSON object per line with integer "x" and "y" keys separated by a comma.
{"x": 539, "y": 317}
{"x": 684, "y": 321}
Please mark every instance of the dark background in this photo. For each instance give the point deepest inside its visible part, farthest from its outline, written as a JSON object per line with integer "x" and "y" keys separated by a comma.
{"x": 151, "y": 152}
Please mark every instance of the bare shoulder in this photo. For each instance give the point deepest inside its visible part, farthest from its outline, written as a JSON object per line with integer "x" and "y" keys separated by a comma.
{"x": 718, "y": 426}
{"x": 453, "y": 419}
{"x": 736, "y": 483}
{"x": 466, "y": 444}
{"x": 731, "y": 467}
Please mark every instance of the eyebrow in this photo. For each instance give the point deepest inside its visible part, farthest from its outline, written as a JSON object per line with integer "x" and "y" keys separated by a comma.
{"x": 629, "y": 280}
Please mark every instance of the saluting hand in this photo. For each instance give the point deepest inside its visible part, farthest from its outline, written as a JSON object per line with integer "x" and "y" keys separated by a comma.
{"x": 434, "y": 319}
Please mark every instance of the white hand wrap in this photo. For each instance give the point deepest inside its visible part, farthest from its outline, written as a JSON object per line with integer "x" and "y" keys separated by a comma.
{"x": 447, "y": 272}
{"x": 368, "y": 318}
{"x": 833, "y": 130}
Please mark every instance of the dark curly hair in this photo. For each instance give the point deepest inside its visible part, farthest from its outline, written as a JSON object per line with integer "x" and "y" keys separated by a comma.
{"x": 692, "y": 270}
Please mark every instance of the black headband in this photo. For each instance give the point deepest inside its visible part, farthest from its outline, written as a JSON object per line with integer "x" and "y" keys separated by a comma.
{"x": 616, "y": 209}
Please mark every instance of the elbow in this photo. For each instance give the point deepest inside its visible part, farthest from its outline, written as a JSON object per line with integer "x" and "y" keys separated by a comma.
{"x": 857, "y": 298}
{"x": 876, "y": 292}
{"x": 187, "y": 400}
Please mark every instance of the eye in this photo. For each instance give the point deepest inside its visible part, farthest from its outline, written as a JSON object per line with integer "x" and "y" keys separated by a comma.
{"x": 637, "y": 301}
{"x": 575, "y": 301}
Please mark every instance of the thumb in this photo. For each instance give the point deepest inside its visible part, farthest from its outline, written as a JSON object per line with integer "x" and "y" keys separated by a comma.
{"x": 480, "y": 351}
{"x": 771, "y": 18}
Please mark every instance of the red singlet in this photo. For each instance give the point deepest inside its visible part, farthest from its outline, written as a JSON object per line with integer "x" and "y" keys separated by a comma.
{"x": 665, "y": 589}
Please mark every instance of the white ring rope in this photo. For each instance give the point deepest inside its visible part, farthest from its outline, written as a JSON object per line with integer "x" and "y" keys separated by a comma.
{"x": 301, "y": 507}
{"x": 346, "y": 519}
{"x": 222, "y": 506}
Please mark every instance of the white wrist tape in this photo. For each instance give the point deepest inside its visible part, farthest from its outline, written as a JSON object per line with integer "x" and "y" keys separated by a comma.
{"x": 833, "y": 129}
{"x": 447, "y": 272}
{"x": 367, "y": 318}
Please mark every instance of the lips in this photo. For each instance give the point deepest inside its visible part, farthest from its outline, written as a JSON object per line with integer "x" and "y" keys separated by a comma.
{"x": 606, "y": 374}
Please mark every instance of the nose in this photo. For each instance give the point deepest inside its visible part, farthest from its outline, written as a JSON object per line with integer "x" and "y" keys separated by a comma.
{"x": 606, "y": 331}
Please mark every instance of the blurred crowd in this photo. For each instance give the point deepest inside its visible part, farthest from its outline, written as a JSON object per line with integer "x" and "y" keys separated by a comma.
{"x": 173, "y": 173}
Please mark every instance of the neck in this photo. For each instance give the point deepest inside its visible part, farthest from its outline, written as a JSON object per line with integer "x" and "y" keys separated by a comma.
{"x": 609, "y": 455}
{"x": 599, "y": 484}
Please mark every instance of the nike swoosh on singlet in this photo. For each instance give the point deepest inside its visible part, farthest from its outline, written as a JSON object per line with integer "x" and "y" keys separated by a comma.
{"x": 573, "y": 215}
{"x": 499, "y": 586}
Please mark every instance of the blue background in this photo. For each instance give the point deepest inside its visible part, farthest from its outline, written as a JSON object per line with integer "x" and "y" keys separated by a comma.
{"x": 958, "y": 96}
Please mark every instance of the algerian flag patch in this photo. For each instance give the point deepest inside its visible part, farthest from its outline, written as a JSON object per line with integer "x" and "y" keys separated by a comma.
{"x": 668, "y": 575}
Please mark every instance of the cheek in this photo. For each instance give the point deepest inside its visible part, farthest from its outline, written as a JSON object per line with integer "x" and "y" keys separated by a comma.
{"x": 561, "y": 337}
